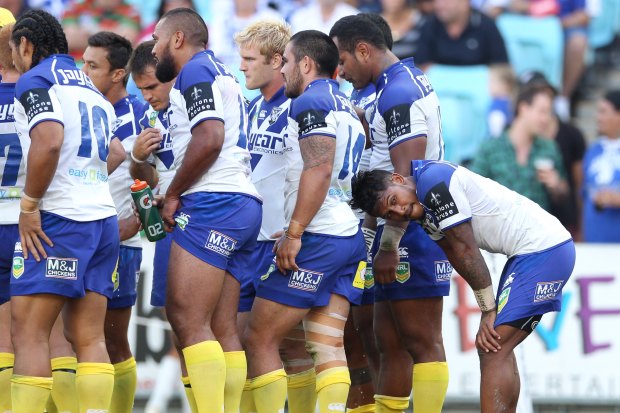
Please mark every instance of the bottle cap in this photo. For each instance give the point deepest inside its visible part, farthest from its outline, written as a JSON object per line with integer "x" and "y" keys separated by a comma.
{"x": 138, "y": 185}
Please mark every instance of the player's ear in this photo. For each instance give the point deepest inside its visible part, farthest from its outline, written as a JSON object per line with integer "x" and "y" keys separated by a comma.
{"x": 397, "y": 178}
{"x": 363, "y": 50}
{"x": 179, "y": 39}
{"x": 276, "y": 61}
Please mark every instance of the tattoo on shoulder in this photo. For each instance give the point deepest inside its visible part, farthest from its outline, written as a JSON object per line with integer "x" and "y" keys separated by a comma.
{"x": 317, "y": 150}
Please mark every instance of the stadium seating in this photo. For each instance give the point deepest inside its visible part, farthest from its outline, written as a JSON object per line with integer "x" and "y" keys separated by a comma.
{"x": 604, "y": 27}
{"x": 534, "y": 43}
{"x": 464, "y": 98}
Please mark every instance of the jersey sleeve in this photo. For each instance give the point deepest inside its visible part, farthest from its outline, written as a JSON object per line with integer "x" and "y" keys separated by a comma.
{"x": 313, "y": 116}
{"x": 39, "y": 100}
{"x": 443, "y": 194}
{"x": 403, "y": 116}
{"x": 201, "y": 94}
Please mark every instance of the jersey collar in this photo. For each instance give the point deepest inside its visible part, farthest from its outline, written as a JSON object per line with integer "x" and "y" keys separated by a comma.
{"x": 391, "y": 71}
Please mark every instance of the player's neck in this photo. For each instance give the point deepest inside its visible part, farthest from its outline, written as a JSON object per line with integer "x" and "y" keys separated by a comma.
{"x": 9, "y": 76}
{"x": 384, "y": 61}
{"x": 115, "y": 94}
{"x": 272, "y": 88}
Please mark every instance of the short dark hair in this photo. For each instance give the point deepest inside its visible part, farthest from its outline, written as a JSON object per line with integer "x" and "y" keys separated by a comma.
{"x": 319, "y": 47}
{"x": 351, "y": 30}
{"x": 190, "y": 23}
{"x": 119, "y": 48}
{"x": 142, "y": 58}
{"x": 43, "y": 31}
{"x": 613, "y": 97}
{"x": 366, "y": 189}
{"x": 383, "y": 26}
{"x": 530, "y": 91}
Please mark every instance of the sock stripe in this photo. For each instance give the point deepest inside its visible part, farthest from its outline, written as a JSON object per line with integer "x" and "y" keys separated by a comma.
{"x": 63, "y": 370}
{"x": 188, "y": 386}
{"x": 5, "y": 368}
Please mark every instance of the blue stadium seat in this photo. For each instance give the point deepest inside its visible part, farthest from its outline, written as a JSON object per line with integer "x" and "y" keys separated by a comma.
{"x": 603, "y": 28}
{"x": 534, "y": 43}
{"x": 463, "y": 93}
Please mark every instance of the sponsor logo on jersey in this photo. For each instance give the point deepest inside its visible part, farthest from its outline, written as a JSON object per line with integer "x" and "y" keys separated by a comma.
{"x": 430, "y": 227}
{"x": 266, "y": 143}
{"x": 36, "y": 101}
{"x": 89, "y": 176}
{"x": 402, "y": 272}
{"x": 199, "y": 98}
{"x": 6, "y": 112}
{"x": 403, "y": 252}
{"x": 305, "y": 280}
{"x": 547, "y": 290}
{"x": 220, "y": 243}
{"x": 310, "y": 120}
{"x": 443, "y": 270}
{"x": 10, "y": 192}
{"x": 440, "y": 202}
{"x": 63, "y": 268}
{"x": 182, "y": 220}
{"x": 18, "y": 267}
{"x": 503, "y": 300}
{"x": 397, "y": 122}
{"x": 509, "y": 280}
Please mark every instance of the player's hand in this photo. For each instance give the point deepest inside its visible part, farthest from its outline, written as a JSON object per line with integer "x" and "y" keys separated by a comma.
{"x": 147, "y": 141}
{"x": 31, "y": 234}
{"x": 384, "y": 266}
{"x": 171, "y": 205}
{"x": 287, "y": 250}
{"x": 487, "y": 338}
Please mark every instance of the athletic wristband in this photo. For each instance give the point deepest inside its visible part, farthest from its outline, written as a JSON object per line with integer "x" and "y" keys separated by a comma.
{"x": 28, "y": 206}
{"x": 23, "y": 211}
{"x": 29, "y": 198}
{"x": 295, "y": 230}
{"x": 369, "y": 237}
{"x": 391, "y": 238}
{"x": 485, "y": 299}
{"x": 136, "y": 160}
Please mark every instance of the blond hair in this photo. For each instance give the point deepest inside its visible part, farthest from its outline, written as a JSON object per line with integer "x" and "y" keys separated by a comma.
{"x": 271, "y": 36}
{"x": 6, "y": 59}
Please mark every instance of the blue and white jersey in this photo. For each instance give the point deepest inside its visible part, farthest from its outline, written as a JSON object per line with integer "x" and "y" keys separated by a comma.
{"x": 56, "y": 90}
{"x": 323, "y": 110}
{"x": 502, "y": 220}
{"x": 162, "y": 157}
{"x": 127, "y": 128}
{"x": 268, "y": 122}
{"x": 12, "y": 170}
{"x": 406, "y": 108}
{"x": 206, "y": 90}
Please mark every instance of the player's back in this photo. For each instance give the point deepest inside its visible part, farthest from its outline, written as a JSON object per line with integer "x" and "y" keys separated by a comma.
{"x": 12, "y": 170}
{"x": 55, "y": 90}
{"x": 206, "y": 90}
{"x": 323, "y": 110}
{"x": 406, "y": 108}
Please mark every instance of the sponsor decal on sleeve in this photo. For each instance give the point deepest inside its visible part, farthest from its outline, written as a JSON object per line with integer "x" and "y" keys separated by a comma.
{"x": 36, "y": 101}
{"x": 199, "y": 98}
{"x": 397, "y": 122}
{"x": 310, "y": 120}
{"x": 440, "y": 202}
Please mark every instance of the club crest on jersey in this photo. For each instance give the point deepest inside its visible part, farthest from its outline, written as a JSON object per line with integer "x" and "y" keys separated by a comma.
{"x": 309, "y": 120}
{"x": 509, "y": 280}
{"x": 274, "y": 115}
{"x": 305, "y": 280}
{"x": 153, "y": 119}
{"x": 443, "y": 270}
{"x": 402, "y": 272}
{"x": 440, "y": 202}
{"x": 35, "y": 102}
{"x": 63, "y": 268}
{"x": 199, "y": 98}
{"x": 220, "y": 243}
{"x": 397, "y": 121}
{"x": 182, "y": 220}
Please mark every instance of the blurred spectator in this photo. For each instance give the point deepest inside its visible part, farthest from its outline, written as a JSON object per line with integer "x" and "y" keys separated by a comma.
{"x": 320, "y": 15}
{"x": 601, "y": 202}
{"x": 572, "y": 146}
{"x": 16, "y": 7}
{"x": 501, "y": 87}
{"x": 54, "y": 7}
{"x": 164, "y": 6}
{"x": 520, "y": 158}
{"x": 83, "y": 19}
{"x": 458, "y": 35}
{"x": 403, "y": 19}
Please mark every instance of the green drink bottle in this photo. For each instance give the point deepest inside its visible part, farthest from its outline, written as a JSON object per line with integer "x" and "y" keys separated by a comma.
{"x": 149, "y": 215}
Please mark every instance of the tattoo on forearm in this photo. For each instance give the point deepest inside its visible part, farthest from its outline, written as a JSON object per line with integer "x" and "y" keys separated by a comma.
{"x": 317, "y": 150}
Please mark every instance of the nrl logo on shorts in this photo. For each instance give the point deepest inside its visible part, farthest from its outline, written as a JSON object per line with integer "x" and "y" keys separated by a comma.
{"x": 182, "y": 220}
{"x": 18, "y": 267}
{"x": 503, "y": 300}
{"x": 402, "y": 272}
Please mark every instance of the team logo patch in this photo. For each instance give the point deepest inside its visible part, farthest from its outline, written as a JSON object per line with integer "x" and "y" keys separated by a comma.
{"x": 153, "y": 119}
{"x": 360, "y": 276}
{"x": 305, "y": 280}
{"x": 220, "y": 243}
{"x": 440, "y": 201}
{"x": 271, "y": 269}
{"x": 402, "y": 272}
{"x": 443, "y": 270}
{"x": 36, "y": 101}
{"x": 310, "y": 120}
{"x": 63, "y": 268}
{"x": 182, "y": 220}
{"x": 369, "y": 278}
{"x": 18, "y": 267}
{"x": 503, "y": 300}
{"x": 397, "y": 122}
{"x": 509, "y": 280}
{"x": 547, "y": 290}
{"x": 274, "y": 115}
{"x": 199, "y": 98}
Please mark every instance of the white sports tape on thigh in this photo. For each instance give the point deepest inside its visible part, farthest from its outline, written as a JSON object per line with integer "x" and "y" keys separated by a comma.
{"x": 325, "y": 342}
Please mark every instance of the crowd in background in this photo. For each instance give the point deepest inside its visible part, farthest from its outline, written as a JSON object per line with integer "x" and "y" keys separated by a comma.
{"x": 532, "y": 143}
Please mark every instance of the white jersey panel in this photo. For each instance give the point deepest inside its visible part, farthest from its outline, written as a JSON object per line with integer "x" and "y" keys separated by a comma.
{"x": 162, "y": 157}
{"x": 12, "y": 168}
